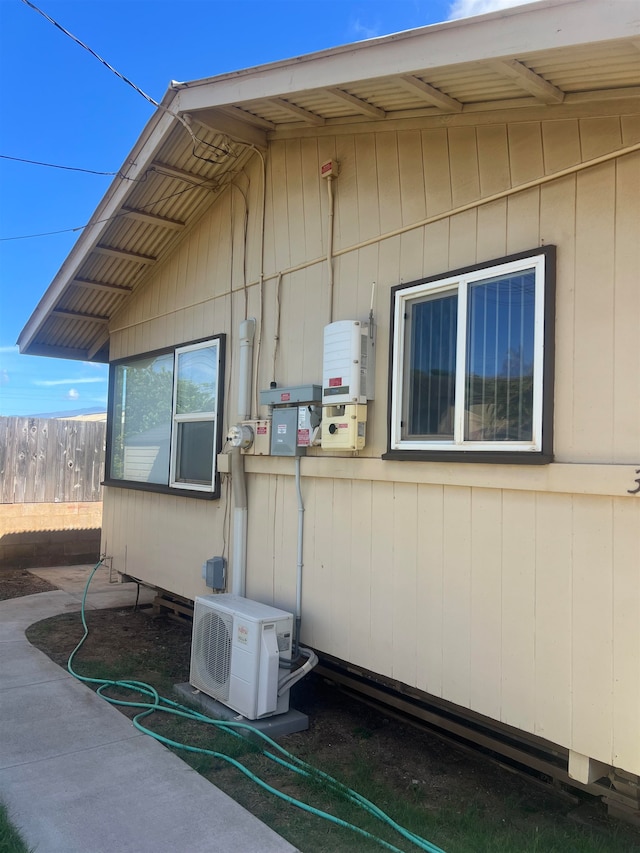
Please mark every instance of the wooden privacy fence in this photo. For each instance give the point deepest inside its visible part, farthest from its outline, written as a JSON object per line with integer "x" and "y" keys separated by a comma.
{"x": 50, "y": 461}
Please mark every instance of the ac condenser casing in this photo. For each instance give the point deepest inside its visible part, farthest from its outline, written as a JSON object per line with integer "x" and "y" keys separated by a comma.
{"x": 236, "y": 649}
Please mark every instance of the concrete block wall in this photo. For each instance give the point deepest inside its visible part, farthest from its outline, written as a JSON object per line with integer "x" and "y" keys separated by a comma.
{"x": 39, "y": 534}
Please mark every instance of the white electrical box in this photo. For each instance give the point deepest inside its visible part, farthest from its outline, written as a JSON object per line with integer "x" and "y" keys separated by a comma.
{"x": 344, "y": 427}
{"x": 348, "y": 363}
{"x": 261, "y": 444}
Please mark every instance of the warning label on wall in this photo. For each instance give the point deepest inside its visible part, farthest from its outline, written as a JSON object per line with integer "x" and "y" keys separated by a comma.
{"x": 304, "y": 439}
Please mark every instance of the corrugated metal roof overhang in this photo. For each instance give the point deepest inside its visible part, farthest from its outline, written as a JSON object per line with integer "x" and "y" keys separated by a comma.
{"x": 544, "y": 54}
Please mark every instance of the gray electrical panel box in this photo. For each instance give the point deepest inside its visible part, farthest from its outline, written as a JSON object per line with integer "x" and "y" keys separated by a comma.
{"x": 214, "y": 572}
{"x": 290, "y": 395}
{"x": 284, "y": 432}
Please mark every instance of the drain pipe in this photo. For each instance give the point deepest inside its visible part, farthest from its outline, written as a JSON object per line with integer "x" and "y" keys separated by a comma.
{"x": 299, "y": 563}
{"x": 238, "y": 478}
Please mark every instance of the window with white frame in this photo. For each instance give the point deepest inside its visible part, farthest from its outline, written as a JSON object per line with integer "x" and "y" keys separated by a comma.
{"x": 472, "y": 365}
{"x": 163, "y": 419}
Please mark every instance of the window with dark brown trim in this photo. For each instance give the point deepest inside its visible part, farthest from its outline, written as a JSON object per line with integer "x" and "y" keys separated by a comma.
{"x": 163, "y": 419}
{"x": 472, "y": 363}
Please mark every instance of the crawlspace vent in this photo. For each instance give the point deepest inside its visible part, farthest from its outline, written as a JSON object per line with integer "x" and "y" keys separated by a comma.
{"x": 212, "y": 653}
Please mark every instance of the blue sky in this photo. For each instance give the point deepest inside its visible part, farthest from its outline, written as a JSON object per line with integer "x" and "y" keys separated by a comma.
{"x": 61, "y": 106}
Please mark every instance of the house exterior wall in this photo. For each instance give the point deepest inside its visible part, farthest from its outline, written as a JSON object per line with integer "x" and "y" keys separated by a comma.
{"x": 512, "y": 590}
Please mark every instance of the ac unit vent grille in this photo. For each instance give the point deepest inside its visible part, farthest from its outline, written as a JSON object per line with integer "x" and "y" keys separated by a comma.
{"x": 212, "y": 638}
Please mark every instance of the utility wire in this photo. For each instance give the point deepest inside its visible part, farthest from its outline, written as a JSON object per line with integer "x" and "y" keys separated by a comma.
{"x": 92, "y": 52}
{"x": 183, "y": 121}
{"x": 194, "y": 186}
{"x": 68, "y": 168}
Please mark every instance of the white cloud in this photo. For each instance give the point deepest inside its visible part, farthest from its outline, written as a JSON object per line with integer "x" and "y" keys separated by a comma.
{"x": 9, "y": 350}
{"x": 50, "y": 383}
{"x": 72, "y": 394}
{"x": 467, "y": 8}
{"x": 4, "y": 377}
{"x": 364, "y": 31}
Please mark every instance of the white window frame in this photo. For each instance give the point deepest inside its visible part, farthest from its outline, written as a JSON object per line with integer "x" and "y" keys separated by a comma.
{"x": 194, "y": 417}
{"x": 459, "y": 283}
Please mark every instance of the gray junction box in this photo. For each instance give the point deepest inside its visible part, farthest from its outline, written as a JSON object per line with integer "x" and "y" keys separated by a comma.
{"x": 284, "y": 432}
{"x": 291, "y": 395}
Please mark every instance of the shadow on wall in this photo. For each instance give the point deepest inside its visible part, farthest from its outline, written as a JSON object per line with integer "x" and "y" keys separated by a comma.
{"x": 31, "y": 549}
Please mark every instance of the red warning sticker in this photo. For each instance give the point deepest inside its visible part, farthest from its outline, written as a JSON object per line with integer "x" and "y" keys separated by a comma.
{"x": 285, "y": 397}
{"x": 334, "y": 383}
{"x": 303, "y": 438}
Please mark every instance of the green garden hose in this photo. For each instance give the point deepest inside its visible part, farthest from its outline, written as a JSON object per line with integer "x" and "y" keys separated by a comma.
{"x": 270, "y": 749}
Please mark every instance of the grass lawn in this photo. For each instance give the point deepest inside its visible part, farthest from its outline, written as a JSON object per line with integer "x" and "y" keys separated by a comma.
{"x": 10, "y": 840}
{"x": 459, "y": 801}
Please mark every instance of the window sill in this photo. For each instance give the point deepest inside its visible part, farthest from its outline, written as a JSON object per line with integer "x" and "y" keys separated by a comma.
{"x": 482, "y": 456}
{"x": 165, "y": 490}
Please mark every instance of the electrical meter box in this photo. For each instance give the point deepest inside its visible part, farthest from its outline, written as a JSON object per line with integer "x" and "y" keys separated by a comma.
{"x": 344, "y": 427}
{"x": 261, "y": 445}
{"x": 348, "y": 363}
{"x": 284, "y": 432}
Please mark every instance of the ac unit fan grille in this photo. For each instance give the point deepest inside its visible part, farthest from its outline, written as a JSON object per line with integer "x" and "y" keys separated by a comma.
{"x": 213, "y": 652}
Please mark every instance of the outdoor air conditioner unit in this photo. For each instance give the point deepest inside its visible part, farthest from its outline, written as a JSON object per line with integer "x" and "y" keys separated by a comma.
{"x": 236, "y": 648}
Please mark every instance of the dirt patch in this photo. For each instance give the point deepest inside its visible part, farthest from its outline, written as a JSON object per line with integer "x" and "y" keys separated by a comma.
{"x": 14, "y": 583}
{"x": 458, "y": 800}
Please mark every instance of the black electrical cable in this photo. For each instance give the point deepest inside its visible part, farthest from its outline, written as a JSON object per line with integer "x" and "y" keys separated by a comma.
{"x": 69, "y": 168}
{"x": 223, "y": 151}
{"x": 92, "y": 52}
{"x": 193, "y": 186}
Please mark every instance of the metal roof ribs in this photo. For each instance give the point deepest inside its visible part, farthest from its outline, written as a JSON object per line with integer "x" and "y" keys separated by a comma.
{"x": 153, "y": 219}
{"x": 118, "y": 289}
{"x": 429, "y": 93}
{"x": 77, "y": 315}
{"x": 361, "y": 106}
{"x": 298, "y": 112}
{"x": 123, "y": 255}
{"x": 528, "y": 80}
{"x": 183, "y": 175}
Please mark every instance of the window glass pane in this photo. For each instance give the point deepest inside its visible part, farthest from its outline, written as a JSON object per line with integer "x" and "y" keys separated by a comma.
{"x": 197, "y": 380}
{"x": 194, "y": 461}
{"x": 500, "y": 354}
{"x": 430, "y": 371}
{"x": 142, "y": 420}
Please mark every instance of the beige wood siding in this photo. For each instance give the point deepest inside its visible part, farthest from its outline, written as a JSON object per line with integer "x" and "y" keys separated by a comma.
{"x": 510, "y": 590}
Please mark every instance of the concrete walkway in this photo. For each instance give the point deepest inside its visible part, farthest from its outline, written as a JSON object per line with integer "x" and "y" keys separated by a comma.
{"x": 76, "y": 776}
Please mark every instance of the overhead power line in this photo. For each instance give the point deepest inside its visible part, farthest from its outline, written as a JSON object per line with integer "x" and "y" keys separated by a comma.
{"x": 66, "y": 168}
{"x": 183, "y": 121}
{"x": 92, "y": 52}
{"x": 193, "y": 186}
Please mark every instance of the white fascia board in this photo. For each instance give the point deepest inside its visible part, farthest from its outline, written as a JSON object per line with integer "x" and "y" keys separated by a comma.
{"x": 136, "y": 163}
{"x": 513, "y": 32}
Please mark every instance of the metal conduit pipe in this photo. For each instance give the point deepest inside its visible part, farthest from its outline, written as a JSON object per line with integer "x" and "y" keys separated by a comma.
{"x": 240, "y": 513}
{"x": 238, "y": 477}
{"x": 330, "y": 244}
{"x": 299, "y": 563}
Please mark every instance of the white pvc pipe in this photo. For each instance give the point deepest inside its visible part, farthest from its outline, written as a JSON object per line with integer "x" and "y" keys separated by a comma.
{"x": 245, "y": 364}
{"x": 238, "y": 480}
